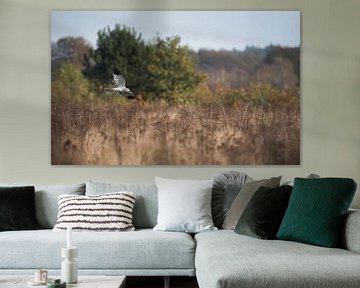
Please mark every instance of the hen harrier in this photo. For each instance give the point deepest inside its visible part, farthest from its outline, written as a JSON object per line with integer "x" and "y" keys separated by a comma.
{"x": 119, "y": 82}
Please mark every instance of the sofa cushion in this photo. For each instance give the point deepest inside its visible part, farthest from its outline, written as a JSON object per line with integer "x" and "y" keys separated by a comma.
{"x": 263, "y": 215}
{"x": 142, "y": 249}
{"x": 225, "y": 189}
{"x": 105, "y": 212}
{"x": 17, "y": 208}
{"x": 146, "y": 205}
{"x": 46, "y": 200}
{"x": 316, "y": 211}
{"x": 350, "y": 239}
{"x": 184, "y": 205}
{"x": 225, "y": 259}
{"x": 243, "y": 198}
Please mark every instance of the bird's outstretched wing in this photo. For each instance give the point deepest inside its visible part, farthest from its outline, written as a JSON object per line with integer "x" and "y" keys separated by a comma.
{"x": 119, "y": 80}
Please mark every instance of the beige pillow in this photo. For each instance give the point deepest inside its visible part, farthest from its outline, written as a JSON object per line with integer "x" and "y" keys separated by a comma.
{"x": 243, "y": 198}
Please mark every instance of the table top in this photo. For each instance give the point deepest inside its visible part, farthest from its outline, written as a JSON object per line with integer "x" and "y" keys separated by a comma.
{"x": 84, "y": 281}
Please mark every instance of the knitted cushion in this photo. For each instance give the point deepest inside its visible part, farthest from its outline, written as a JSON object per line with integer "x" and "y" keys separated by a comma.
{"x": 105, "y": 212}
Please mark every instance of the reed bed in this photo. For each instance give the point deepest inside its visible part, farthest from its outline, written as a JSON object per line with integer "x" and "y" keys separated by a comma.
{"x": 106, "y": 134}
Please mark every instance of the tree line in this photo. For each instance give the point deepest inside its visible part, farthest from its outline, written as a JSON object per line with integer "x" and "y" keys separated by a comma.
{"x": 164, "y": 69}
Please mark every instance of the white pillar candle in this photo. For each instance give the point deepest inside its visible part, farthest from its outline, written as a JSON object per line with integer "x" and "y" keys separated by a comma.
{"x": 69, "y": 237}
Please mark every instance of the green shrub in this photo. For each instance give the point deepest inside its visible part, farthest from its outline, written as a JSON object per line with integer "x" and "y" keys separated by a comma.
{"x": 70, "y": 85}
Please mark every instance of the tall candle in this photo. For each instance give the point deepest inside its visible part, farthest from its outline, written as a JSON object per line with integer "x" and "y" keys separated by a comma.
{"x": 69, "y": 237}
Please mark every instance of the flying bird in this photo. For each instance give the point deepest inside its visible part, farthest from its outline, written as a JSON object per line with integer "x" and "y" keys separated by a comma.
{"x": 119, "y": 82}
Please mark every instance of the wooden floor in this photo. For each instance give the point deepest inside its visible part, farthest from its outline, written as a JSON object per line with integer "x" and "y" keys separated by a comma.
{"x": 158, "y": 282}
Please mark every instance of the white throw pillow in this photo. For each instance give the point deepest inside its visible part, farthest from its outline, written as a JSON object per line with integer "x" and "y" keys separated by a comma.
{"x": 184, "y": 205}
{"x": 104, "y": 212}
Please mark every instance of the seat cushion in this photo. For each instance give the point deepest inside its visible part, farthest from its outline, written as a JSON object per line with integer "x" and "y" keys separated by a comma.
{"x": 226, "y": 259}
{"x": 143, "y": 249}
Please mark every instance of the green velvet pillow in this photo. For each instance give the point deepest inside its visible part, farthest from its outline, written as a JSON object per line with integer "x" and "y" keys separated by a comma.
{"x": 316, "y": 211}
{"x": 17, "y": 208}
{"x": 263, "y": 215}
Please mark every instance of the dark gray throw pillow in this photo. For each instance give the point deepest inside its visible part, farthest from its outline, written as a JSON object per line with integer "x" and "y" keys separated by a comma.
{"x": 17, "y": 208}
{"x": 243, "y": 198}
{"x": 225, "y": 189}
{"x": 263, "y": 214}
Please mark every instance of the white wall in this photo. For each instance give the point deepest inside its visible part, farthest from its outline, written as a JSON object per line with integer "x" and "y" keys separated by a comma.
{"x": 330, "y": 91}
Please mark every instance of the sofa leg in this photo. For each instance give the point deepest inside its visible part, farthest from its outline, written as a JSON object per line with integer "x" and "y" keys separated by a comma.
{"x": 167, "y": 282}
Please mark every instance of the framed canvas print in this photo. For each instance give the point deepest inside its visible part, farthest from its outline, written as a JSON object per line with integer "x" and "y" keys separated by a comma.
{"x": 175, "y": 88}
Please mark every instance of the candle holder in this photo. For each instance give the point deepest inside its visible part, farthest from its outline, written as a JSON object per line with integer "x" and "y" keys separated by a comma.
{"x": 68, "y": 265}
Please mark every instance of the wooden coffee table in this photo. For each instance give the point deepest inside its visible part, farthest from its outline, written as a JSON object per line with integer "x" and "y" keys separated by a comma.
{"x": 84, "y": 281}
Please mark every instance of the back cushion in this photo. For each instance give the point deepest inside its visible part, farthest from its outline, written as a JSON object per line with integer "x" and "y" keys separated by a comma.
{"x": 146, "y": 203}
{"x": 46, "y": 200}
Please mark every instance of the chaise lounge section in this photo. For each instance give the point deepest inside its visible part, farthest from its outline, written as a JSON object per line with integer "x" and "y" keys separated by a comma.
{"x": 225, "y": 259}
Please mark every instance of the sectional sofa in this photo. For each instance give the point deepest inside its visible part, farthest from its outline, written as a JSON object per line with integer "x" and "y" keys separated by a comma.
{"x": 218, "y": 258}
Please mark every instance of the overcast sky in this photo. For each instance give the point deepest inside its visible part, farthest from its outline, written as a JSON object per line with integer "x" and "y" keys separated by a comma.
{"x": 197, "y": 29}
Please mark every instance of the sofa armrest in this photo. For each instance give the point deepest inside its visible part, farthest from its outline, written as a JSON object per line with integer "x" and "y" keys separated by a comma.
{"x": 351, "y": 233}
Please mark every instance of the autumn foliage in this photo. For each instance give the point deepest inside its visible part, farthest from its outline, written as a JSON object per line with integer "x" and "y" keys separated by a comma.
{"x": 204, "y": 107}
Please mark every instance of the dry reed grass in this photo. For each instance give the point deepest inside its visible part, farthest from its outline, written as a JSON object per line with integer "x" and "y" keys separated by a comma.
{"x": 208, "y": 135}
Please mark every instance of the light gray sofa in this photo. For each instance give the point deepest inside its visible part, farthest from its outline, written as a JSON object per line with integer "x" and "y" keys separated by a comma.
{"x": 218, "y": 259}
{"x": 226, "y": 259}
{"x": 143, "y": 252}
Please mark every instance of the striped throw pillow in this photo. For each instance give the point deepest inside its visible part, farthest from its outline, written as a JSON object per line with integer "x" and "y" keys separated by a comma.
{"x": 105, "y": 212}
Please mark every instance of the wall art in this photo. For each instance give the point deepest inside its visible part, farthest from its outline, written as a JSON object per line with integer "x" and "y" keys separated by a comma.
{"x": 175, "y": 88}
